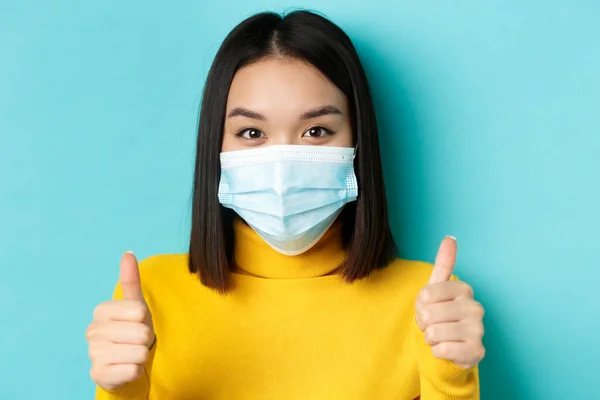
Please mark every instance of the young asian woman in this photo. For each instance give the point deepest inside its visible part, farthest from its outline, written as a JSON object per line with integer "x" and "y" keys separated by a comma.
{"x": 292, "y": 288}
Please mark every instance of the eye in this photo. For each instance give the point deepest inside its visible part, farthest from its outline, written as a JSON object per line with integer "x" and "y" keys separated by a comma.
{"x": 251, "y": 133}
{"x": 317, "y": 132}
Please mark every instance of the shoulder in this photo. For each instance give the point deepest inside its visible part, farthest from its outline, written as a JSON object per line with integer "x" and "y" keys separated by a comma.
{"x": 163, "y": 269}
{"x": 403, "y": 276}
{"x": 166, "y": 281}
{"x": 411, "y": 275}
{"x": 159, "y": 272}
{"x": 161, "y": 263}
{"x": 413, "y": 270}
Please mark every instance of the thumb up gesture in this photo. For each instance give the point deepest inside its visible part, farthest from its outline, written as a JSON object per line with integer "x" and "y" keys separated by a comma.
{"x": 121, "y": 332}
{"x": 451, "y": 320}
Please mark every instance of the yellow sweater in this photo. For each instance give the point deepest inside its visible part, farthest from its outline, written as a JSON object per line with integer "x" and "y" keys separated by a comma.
{"x": 290, "y": 329}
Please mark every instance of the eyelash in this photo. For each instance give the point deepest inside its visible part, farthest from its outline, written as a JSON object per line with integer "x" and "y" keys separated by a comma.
{"x": 244, "y": 130}
{"x": 326, "y": 132}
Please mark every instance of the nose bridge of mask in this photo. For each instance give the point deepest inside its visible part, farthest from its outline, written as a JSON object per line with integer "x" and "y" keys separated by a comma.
{"x": 279, "y": 180}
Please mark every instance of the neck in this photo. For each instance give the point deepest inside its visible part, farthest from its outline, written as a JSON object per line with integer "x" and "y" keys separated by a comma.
{"x": 253, "y": 256}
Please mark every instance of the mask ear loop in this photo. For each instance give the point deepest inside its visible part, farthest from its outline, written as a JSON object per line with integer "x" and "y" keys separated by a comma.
{"x": 355, "y": 149}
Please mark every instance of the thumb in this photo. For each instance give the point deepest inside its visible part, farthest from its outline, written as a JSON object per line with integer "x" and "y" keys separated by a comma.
{"x": 444, "y": 262}
{"x": 130, "y": 277}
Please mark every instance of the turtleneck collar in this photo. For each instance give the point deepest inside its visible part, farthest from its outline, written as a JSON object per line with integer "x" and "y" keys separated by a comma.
{"x": 253, "y": 256}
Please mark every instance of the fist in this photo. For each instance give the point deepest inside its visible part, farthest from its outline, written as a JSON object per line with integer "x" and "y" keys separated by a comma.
{"x": 121, "y": 332}
{"x": 451, "y": 320}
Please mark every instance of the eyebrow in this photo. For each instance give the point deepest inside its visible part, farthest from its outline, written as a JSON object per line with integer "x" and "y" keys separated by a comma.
{"x": 320, "y": 111}
{"x": 244, "y": 112}
{"x": 310, "y": 114}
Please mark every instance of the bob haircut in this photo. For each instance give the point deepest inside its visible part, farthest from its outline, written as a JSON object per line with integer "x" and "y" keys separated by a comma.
{"x": 314, "y": 39}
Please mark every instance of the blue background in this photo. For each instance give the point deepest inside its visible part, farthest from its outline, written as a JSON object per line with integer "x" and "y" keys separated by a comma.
{"x": 490, "y": 131}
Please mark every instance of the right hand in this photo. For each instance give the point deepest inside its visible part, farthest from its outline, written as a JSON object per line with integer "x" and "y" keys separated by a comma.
{"x": 121, "y": 334}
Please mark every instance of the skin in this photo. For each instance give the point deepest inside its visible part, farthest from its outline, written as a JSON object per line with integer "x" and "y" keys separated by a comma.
{"x": 448, "y": 315}
{"x": 121, "y": 333}
{"x": 282, "y": 91}
{"x": 274, "y": 102}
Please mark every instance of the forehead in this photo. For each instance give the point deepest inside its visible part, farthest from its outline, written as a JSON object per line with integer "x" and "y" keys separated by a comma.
{"x": 275, "y": 82}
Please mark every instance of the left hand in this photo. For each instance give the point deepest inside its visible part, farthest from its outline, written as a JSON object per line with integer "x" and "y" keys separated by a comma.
{"x": 451, "y": 320}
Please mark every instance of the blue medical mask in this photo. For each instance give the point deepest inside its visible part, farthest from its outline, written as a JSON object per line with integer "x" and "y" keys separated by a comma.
{"x": 289, "y": 194}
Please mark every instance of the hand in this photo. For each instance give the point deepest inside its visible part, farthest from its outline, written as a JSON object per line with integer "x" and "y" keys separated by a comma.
{"x": 452, "y": 321}
{"x": 121, "y": 333}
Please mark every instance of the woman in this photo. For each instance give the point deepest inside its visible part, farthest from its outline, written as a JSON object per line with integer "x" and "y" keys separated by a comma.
{"x": 290, "y": 289}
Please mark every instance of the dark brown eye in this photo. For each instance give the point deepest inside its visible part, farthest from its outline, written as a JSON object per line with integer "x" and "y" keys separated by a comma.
{"x": 251, "y": 133}
{"x": 254, "y": 134}
{"x": 317, "y": 132}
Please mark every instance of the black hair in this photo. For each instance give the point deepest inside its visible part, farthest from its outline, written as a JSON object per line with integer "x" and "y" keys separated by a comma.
{"x": 314, "y": 39}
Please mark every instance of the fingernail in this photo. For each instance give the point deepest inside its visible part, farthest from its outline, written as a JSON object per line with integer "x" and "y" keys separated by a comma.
{"x": 425, "y": 295}
{"x": 451, "y": 237}
{"x": 424, "y": 317}
{"x": 129, "y": 252}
